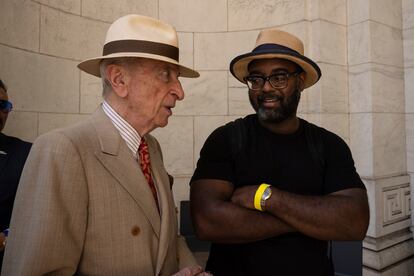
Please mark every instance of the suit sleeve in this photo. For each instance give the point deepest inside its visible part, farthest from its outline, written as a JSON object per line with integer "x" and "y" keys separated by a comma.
{"x": 185, "y": 256}
{"x": 50, "y": 212}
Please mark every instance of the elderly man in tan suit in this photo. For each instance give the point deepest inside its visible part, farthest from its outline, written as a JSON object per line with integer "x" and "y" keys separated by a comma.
{"x": 95, "y": 198}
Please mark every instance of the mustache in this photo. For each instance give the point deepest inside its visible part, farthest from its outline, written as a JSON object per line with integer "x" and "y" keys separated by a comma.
{"x": 265, "y": 97}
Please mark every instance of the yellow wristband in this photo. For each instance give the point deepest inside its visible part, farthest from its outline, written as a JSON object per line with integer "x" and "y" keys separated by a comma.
{"x": 258, "y": 196}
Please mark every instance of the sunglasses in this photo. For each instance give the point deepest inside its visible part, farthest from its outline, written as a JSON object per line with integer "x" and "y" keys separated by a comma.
{"x": 5, "y": 106}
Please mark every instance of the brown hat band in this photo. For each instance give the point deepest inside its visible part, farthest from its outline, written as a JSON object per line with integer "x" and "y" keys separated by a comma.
{"x": 141, "y": 46}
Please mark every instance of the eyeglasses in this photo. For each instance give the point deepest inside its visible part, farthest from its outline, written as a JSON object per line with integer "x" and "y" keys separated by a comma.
{"x": 5, "y": 106}
{"x": 277, "y": 81}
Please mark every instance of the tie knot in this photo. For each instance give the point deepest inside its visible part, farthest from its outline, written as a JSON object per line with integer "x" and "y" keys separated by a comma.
{"x": 143, "y": 145}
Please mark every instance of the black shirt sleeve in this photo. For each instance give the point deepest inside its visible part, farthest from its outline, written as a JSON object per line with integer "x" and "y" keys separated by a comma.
{"x": 340, "y": 172}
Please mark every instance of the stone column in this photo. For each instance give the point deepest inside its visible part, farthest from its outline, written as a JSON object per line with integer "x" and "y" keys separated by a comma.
{"x": 378, "y": 131}
{"x": 408, "y": 37}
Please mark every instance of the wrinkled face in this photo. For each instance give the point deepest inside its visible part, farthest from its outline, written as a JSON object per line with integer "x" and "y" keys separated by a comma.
{"x": 274, "y": 105}
{"x": 3, "y": 115}
{"x": 153, "y": 89}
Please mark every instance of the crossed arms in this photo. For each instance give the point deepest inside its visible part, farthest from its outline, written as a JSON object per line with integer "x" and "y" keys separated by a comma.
{"x": 223, "y": 214}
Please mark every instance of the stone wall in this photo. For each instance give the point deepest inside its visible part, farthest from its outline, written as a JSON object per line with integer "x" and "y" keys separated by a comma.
{"x": 366, "y": 94}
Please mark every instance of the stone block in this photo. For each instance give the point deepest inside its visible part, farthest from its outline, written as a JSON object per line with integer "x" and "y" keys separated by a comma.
{"x": 378, "y": 144}
{"x": 408, "y": 13}
{"x": 330, "y": 10}
{"x": 195, "y": 15}
{"x": 409, "y": 89}
{"x": 259, "y": 14}
{"x": 70, "y": 36}
{"x": 373, "y": 42}
{"x": 214, "y": 51}
{"x": 376, "y": 88}
{"x": 203, "y": 127}
{"x": 50, "y": 121}
{"x": 90, "y": 93}
{"x": 40, "y": 83}
{"x": 181, "y": 192}
{"x": 186, "y": 42}
{"x": 239, "y": 103}
{"x": 22, "y": 125}
{"x": 333, "y": 89}
{"x": 382, "y": 261}
{"x": 405, "y": 267}
{"x": 19, "y": 21}
{"x": 176, "y": 140}
{"x": 314, "y": 98}
{"x": 408, "y": 35}
{"x": 358, "y": 11}
{"x": 337, "y": 123}
{"x": 387, "y": 12}
{"x": 109, "y": 11}
{"x": 328, "y": 42}
{"x": 409, "y": 124}
{"x": 206, "y": 95}
{"x": 71, "y": 6}
{"x": 389, "y": 203}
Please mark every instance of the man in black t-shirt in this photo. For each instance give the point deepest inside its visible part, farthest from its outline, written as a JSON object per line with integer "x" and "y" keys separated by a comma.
{"x": 268, "y": 194}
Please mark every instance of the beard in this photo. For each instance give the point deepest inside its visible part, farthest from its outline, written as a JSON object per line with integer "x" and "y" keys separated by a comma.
{"x": 287, "y": 109}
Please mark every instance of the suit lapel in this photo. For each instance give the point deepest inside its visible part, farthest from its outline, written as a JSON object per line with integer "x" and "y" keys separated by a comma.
{"x": 164, "y": 194}
{"x": 116, "y": 157}
{"x": 4, "y": 151}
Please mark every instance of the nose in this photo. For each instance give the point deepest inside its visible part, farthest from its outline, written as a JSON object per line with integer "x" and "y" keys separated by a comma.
{"x": 177, "y": 90}
{"x": 267, "y": 87}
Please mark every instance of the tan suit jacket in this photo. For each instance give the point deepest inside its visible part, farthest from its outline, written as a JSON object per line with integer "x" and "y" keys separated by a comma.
{"x": 84, "y": 207}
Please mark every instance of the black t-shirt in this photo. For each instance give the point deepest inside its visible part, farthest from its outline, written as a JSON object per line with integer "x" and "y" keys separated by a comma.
{"x": 284, "y": 161}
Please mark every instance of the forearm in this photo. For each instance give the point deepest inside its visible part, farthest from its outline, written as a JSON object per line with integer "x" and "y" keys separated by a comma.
{"x": 336, "y": 216}
{"x": 225, "y": 222}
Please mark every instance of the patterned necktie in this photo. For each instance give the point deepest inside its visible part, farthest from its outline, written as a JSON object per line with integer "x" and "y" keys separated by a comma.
{"x": 144, "y": 161}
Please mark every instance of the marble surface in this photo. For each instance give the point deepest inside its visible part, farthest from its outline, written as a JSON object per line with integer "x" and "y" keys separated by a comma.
{"x": 328, "y": 42}
{"x": 381, "y": 205}
{"x": 330, "y": 10}
{"x": 50, "y": 121}
{"x": 410, "y": 142}
{"x": 203, "y": 127}
{"x": 376, "y": 88}
{"x": 90, "y": 93}
{"x": 22, "y": 125}
{"x": 186, "y": 45}
{"x": 387, "y": 12}
{"x": 108, "y": 10}
{"x": 409, "y": 89}
{"x": 40, "y": 83}
{"x": 19, "y": 21}
{"x": 176, "y": 140}
{"x": 259, "y": 14}
{"x": 84, "y": 39}
{"x": 214, "y": 51}
{"x": 408, "y": 13}
{"x": 408, "y": 36}
{"x": 239, "y": 103}
{"x": 374, "y": 42}
{"x": 195, "y": 15}
{"x": 206, "y": 95}
{"x": 378, "y": 143}
{"x": 72, "y": 6}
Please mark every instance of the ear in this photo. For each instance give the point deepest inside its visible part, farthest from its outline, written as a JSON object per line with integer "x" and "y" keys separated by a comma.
{"x": 301, "y": 81}
{"x": 118, "y": 77}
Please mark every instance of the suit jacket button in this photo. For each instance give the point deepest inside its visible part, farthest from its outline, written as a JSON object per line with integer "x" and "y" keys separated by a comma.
{"x": 135, "y": 230}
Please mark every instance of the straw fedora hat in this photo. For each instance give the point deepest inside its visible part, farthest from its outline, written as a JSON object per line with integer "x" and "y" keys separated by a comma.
{"x": 274, "y": 43}
{"x": 139, "y": 36}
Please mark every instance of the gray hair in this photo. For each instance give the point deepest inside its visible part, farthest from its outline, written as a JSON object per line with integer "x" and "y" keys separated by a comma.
{"x": 122, "y": 61}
